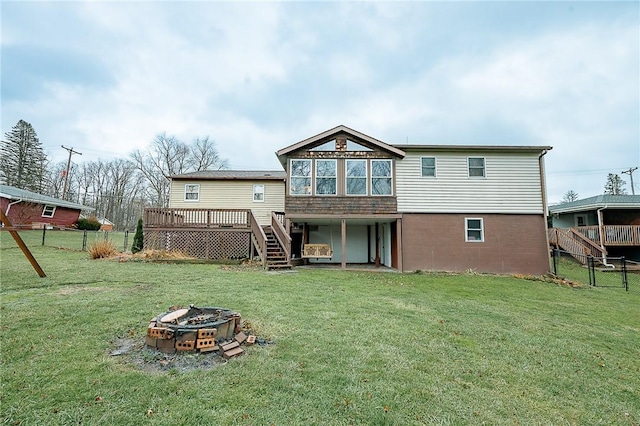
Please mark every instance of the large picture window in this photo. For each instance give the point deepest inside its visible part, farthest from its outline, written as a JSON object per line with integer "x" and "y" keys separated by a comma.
{"x": 192, "y": 192}
{"x": 300, "y": 183}
{"x": 326, "y": 175}
{"x": 356, "y": 177}
{"x": 474, "y": 230}
{"x": 381, "y": 177}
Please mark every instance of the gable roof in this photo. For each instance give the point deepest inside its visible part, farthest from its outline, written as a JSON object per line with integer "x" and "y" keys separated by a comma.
{"x": 232, "y": 175}
{"x": 328, "y": 134}
{"x": 12, "y": 193}
{"x": 598, "y": 202}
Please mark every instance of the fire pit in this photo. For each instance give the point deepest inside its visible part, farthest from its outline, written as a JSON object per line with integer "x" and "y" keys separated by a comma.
{"x": 197, "y": 330}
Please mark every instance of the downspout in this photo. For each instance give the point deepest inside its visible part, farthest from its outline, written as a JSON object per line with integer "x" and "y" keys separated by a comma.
{"x": 9, "y": 206}
{"x": 543, "y": 191}
{"x": 601, "y": 229}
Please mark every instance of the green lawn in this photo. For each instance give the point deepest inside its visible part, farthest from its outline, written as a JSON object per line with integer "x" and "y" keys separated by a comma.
{"x": 349, "y": 347}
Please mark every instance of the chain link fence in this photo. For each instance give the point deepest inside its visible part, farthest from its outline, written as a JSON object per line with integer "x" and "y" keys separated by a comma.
{"x": 610, "y": 272}
{"x": 71, "y": 239}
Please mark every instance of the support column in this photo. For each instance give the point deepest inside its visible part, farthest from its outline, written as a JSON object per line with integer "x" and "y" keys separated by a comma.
{"x": 399, "y": 244}
{"x": 343, "y": 238}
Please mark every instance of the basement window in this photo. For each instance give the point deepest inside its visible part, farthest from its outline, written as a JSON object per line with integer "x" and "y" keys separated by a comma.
{"x": 48, "y": 211}
{"x": 474, "y": 229}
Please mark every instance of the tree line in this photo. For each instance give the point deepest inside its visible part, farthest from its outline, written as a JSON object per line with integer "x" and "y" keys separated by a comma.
{"x": 119, "y": 189}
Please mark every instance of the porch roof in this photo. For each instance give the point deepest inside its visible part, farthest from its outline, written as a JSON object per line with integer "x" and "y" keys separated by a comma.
{"x": 598, "y": 202}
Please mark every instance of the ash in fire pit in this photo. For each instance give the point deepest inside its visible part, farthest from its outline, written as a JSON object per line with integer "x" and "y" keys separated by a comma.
{"x": 198, "y": 330}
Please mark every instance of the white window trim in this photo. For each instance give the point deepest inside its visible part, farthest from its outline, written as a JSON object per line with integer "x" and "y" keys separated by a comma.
{"x": 466, "y": 229}
{"x": 484, "y": 168}
{"x": 44, "y": 210}
{"x": 197, "y": 191}
{"x": 334, "y": 177}
{"x": 366, "y": 177}
{"x": 382, "y": 177}
{"x": 435, "y": 167}
{"x": 291, "y": 160}
{"x": 255, "y": 186}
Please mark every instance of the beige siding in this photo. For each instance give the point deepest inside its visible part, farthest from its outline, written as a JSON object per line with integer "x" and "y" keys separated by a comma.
{"x": 231, "y": 194}
{"x": 511, "y": 184}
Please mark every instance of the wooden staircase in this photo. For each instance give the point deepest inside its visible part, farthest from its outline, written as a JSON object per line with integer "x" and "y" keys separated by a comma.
{"x": 276, "y": 255}
{"x": 576, "y": 244}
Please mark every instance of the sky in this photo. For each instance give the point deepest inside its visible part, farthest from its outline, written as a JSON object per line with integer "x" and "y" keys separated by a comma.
{"x": 106, "y": 77}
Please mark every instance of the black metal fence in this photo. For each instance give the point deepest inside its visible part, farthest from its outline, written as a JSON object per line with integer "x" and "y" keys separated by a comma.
{"x": 71, "y": 239}
{"x": 610, "y": 272}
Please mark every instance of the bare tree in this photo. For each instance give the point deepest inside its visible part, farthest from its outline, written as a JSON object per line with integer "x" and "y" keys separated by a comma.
{"x": 570, "y": 196}
{"x": 167, "y": 156}
{"x": 614, "y": 185}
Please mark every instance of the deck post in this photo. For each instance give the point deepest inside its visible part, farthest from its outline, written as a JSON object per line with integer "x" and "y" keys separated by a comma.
{"x": 343, "y": 238}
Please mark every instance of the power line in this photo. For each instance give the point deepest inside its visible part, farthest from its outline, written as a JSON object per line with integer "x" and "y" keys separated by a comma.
{"x": 66, "y": 173}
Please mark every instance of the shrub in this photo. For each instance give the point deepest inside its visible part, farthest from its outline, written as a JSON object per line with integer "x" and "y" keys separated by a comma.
{"x": 138, "y": 239}
{"x": 89, "y": 224}
{"x": 102, "y": 249}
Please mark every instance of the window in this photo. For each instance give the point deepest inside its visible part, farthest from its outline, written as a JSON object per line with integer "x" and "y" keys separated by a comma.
{"x": 428, "y": 166}
{"x": 381, "y": 177}
{"x": 48, "y": 211}
{"x": 476, "y": 166}
{"x": 356, "y": 177}
{"x": 326, "y": 177}
{"x": 192, "y": 192}
{"x": 258, "y": 193}
{"x": 300, "y": 183}
{"x": 474, "y": 230}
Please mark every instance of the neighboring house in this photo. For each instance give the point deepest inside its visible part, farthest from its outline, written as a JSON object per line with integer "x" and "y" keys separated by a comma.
{"x": 603, "y": 225}
{"x": 106, "y": 225}
{"x": 26, "y": 208}
{"x": 348, "y": 198}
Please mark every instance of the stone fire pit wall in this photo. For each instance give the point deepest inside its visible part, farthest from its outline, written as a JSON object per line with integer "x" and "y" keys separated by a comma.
{"x": 193, "y": 329}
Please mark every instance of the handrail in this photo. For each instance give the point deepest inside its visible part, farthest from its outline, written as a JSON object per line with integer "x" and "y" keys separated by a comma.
{"x": 281, "y": 234}
{"x": 261, "y": 238}
{"x": 595, "y": 249}
{"x": 570, "y": 244}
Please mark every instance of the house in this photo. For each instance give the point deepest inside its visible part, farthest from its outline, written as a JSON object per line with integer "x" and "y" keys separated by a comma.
{"x": 105, "y": 224}
{"x": 600, "y": 226}
{"x": 348, "y": 198}
{"x": 29, "y": 209}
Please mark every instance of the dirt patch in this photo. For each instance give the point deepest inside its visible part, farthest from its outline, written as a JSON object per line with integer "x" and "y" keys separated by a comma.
{"x": 133, "y": 352}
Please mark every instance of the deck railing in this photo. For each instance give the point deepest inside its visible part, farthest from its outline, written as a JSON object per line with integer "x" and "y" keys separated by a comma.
{"x": 259, "y": 238}
{"x": 614, "y": 235}
{"x": 281, "y": 233}
{"x": 196, "y": 218}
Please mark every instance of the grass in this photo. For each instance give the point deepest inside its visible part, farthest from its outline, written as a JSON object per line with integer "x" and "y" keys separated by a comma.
{"x": 350, "y": 347}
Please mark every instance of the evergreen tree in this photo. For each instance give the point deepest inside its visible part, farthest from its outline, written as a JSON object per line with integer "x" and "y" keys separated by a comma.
{"x": 615, "y": 185}
{"x": 22, "y": 160}
{"x": 138, "y": 239}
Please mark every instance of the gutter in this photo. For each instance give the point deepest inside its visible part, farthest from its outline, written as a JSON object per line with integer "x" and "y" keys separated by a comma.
{"x": 601, "y": 228}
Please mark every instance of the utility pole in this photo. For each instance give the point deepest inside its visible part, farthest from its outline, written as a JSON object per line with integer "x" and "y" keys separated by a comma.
{"x": 66, "y": 173}
{"x": 630, "y": 173}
